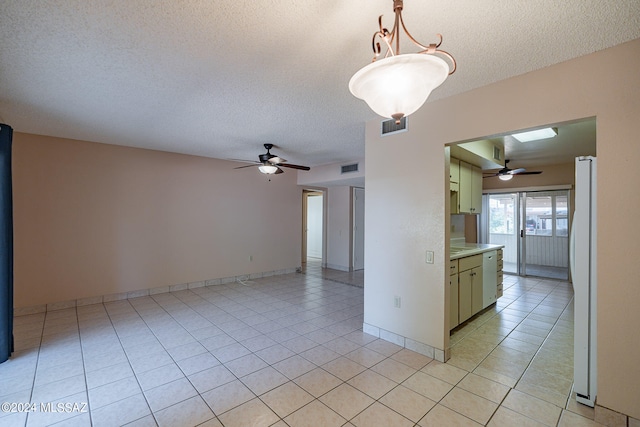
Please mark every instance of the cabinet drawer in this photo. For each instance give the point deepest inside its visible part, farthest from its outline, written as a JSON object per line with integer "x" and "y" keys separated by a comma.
{"x": 500, "y": 277}
{"x": 499, "y": 254}
{"x": 500, "y": 263}
{"x": 470, "y": 262}
{"x": 454, "y": 267}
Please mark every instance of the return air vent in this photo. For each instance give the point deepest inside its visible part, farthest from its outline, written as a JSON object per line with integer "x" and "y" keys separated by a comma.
{"x": 390, "y": 126}
{"x": 349, "y": 168}
{"x": 497, "y": 154}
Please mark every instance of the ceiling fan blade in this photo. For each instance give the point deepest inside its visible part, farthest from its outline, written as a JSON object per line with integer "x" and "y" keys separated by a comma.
{"x": 516, "y": 171}
{"x": 490, "y": 176}
{"x": 276, "y": 160}
{"x": 243, "y": 161}
{"x": 530, "y": 173}
{"x": 279, "y": 171}
{"x": 287, "y": 165}
{"x": 248, "y": 166}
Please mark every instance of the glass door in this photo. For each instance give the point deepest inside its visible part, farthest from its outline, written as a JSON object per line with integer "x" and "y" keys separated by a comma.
{"x": 504, "y": 228}
{"x": 533, "y": 228}
{"x": 544, "y": 245}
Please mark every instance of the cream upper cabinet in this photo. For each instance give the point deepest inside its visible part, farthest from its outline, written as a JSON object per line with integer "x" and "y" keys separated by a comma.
{"x": 454, "y": 171}
{"x": 470, "y": 192}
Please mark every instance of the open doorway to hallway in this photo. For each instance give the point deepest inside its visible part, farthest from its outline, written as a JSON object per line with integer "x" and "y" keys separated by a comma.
{"x": 313, "y": 226}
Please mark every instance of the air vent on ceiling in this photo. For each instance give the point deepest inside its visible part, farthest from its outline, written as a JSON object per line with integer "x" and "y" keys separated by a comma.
{"x": 497, "y": 153}
{"x": 349, "y": 168}
{"x": 390, "y": 126}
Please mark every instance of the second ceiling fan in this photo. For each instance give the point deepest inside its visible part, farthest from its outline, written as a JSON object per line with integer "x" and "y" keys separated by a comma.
{"x": 507, "y": 173}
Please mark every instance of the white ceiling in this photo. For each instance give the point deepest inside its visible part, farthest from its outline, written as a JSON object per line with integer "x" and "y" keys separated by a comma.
{"x": 221, "y": 78}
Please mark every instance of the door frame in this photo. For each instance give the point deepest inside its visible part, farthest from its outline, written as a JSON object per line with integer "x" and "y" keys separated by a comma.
{"x": 307, "y": 192}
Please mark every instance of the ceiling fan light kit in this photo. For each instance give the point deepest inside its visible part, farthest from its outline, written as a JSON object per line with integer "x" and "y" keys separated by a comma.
{"x": 398, "y": 85}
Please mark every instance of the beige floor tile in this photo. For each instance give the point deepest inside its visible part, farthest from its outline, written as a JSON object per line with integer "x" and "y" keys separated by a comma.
{"x": 428, "y": 386}
{"x": 121, "y": 412}
{"x": 253, "y": 413}
{"x": 372, "y": 383}
{"x": 286, "y": 399}
{"x": 557, "y": 384}
{"x": 228, "y": 396}
{"x": 318, "y": 382}
{"x": 494, "y": 376}
{"x": 274, "y": 354}
{"x": 365, "y": 357}
{"x": 548, "y": 395}
{"x": 445, "y": 372}
{"x": 407, "y": 402}
{"x": 484, "y": 387}
{"x": 320, "y": 355}
{"x": 393, "y": 370}
{"x": 343, "y": 368}
{"x": 570, "y": 419}
{"x": 264, "y": 380}
{"x": 346, "y": 401}
{"x": 378, "y": 415}
{"x": 532, "y": 407}
{"x": 246, "y": 365}
{"x": 580, "y": 409}
{"x": 189, "y": 412}
{"x": 341, "y": 345}
{"x": 314, "y": 414}
{"x": 384, "y": 347}
{"x": 508, "y": 368}
{"x": 169, "y": 394}
{"x": 441, "y": 416}
{"x": 211, "y": 378}
{"x": 294, "y": 366}
{"x": 411, "y": 358}
{"x": 507, "y": 418}
{"x": 470, "y": 405}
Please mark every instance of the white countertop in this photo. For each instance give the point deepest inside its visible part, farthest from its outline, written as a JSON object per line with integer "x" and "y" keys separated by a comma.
{"x": 468, "y": 249}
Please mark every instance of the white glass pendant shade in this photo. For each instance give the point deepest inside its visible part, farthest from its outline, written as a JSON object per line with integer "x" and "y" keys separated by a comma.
{"x": 398, "y": 85}
{"x": 505, "y": 177}
{"x": 268, "y": 169}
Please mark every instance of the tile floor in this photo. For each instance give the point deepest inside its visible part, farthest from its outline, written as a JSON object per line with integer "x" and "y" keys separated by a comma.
{"x": 289, "y": 351}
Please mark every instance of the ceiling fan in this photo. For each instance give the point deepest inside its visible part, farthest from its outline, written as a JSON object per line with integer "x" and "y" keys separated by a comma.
{"x": 507, "y": 173}
{"x": 270, "y": 163}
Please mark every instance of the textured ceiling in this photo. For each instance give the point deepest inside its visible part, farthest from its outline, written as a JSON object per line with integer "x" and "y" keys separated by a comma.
{"x": 221, "y": 78}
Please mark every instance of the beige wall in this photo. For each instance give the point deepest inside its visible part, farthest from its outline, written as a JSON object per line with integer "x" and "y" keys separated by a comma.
{"x": 407, "y": 213}
{"x": 94, "y": 219}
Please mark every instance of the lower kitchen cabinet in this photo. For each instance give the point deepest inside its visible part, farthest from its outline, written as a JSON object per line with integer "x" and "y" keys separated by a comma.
{"x": 453, "y": 298}
{"x": 470, "y": 291}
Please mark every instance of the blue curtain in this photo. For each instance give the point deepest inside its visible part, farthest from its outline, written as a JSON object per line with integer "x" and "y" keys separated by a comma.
{"x": 6, "y": 245}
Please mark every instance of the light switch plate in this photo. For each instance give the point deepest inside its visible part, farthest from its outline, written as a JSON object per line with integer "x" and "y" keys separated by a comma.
{"x": 429, "y": 257}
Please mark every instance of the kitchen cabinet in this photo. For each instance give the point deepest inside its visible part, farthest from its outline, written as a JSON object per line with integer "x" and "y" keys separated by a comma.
{"x": 453, "y": 295}
{"x": 470, "y": 189}
{"x": 469, "y": 286}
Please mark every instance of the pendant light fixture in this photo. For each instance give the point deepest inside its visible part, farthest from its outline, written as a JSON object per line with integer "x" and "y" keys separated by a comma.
{"x": 398, "y": 85}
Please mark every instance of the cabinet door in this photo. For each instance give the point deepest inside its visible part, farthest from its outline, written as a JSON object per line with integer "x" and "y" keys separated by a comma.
{"x": 453, "y": 301}
{"x": 464, "y": 295}
{"x": 464, "y": 192}
{"x": 477, "y": 292}
{"x": 454, "y": 170}
{"x": 476, "y": 190}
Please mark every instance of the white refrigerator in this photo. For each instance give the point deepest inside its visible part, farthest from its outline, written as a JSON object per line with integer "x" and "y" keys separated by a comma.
{"x": 584, "y": 277}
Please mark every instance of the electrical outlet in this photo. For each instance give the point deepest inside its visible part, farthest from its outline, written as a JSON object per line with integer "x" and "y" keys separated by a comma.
{"x": 397, "y": 301}
{"x": 250, "y": 258}
{"x": 429, "y": 257}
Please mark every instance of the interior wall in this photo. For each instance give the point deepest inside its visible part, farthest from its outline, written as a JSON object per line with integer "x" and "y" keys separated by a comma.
{"x": 95, "y": 219}
{"x": 339, "y": 228}
{"x": 407, "y": 213}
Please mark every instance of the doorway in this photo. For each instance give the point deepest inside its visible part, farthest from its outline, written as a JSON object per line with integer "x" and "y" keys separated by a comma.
{"x": 313, "y": 226}
{"x": 533, "y": 227}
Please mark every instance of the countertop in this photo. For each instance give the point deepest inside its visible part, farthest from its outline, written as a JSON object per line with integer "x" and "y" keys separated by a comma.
{"x": 461, "y": 250}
